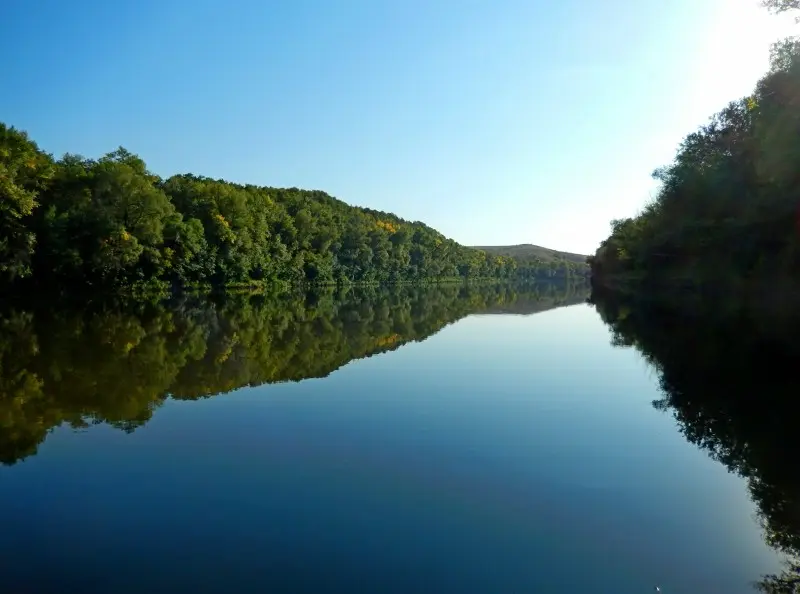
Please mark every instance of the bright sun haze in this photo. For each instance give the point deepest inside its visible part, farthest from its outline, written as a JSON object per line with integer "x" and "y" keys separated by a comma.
{"x": 493, "y": 122}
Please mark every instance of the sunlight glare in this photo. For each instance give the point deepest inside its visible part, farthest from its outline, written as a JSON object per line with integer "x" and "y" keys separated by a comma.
{"x": 736, "y": 52}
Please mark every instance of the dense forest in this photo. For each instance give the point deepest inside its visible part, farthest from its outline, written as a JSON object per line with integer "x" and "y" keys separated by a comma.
{"x": 731, "y": 384}
{"x": 116, "y": 363}
{"x": 727, "y": 216}
{"x": 111, "y": 223}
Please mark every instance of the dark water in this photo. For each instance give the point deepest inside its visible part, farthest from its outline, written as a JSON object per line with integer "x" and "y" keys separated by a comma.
{"x": 418, "y": 440}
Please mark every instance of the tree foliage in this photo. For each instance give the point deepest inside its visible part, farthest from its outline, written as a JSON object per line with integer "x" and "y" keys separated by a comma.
{"x": 24, "y": 171}
{"x": 726, "y": 216}
{"x": 111, "y": 223}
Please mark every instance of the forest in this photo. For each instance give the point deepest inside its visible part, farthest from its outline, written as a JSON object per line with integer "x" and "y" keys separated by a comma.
{"x": 116, "y": 362}
{"x": 110, "y": 224}
{"x": 731, "y": 385}
{"x": 727, "y": 216}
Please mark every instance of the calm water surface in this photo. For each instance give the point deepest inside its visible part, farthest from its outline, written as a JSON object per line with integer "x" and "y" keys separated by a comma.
{"x": 512, "y": 450}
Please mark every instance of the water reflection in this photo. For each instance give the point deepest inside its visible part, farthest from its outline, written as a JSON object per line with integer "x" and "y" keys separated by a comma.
{"x": 730, "y": 380}
{"x": 117, "y": 363}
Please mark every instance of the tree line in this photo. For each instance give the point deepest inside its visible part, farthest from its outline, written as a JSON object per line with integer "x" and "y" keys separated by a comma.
{"x": 727, "y": 216}
{"x": 110, "y": 222}
{"x": 117, "y": 362}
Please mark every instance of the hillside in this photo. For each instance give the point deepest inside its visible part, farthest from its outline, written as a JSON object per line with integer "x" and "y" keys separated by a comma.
{"x": 527, "y": 251}
{"x": 111, "y": 223}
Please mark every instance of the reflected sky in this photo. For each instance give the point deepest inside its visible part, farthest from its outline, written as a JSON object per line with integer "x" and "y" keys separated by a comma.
{"x": 504, "y": 453}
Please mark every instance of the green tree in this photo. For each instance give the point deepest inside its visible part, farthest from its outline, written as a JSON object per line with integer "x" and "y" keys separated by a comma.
{"x": 24, "y": 172}
{"x": 726, "y": 215}
{"x": 111, "y": 224}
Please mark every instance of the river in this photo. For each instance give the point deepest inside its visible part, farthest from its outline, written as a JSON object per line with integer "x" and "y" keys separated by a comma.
{"x": 411, "y": 440}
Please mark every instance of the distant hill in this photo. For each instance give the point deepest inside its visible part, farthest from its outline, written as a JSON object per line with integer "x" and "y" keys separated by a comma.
{"x": 527, "y": 251}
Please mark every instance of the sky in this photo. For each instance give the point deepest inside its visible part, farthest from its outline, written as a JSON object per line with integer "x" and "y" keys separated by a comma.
{"x": 494, "y": 121}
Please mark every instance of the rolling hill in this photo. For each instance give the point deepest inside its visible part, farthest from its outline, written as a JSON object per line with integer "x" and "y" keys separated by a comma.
{"x": 527, "y": 251}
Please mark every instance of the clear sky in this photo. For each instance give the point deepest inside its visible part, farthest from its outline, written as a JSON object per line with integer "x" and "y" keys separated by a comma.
{"x": 494, "y": 121}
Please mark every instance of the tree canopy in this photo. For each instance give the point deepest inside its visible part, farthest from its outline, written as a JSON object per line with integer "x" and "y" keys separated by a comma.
{"x": 111, "y": 223}
{"x": 727, "y": 216}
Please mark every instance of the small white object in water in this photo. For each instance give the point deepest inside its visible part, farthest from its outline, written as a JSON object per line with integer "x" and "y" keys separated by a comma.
{"x": 658, "y": 589}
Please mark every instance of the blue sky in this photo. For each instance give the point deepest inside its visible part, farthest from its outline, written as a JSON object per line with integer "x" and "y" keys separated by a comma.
{"x": 496, "y": 122}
